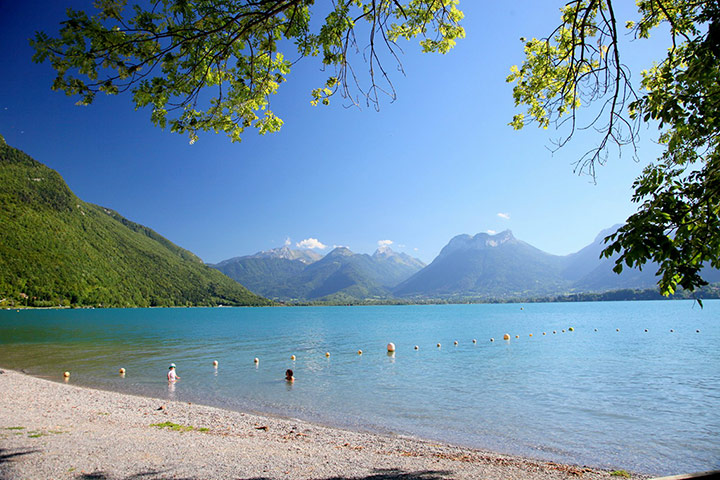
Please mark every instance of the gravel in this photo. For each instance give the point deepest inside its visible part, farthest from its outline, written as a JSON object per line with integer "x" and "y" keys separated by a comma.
{"x": 51, "y": 430}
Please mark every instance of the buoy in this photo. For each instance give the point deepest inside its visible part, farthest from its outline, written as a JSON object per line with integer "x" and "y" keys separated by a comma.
{"x": 571, "y": 329}
{"x": 474, "y": 340}
{"x": 646, "y": 329}
{"x": 327, "y": 354}
{"x": 506, "y": 337}
{"x": 416, "y": 347}
{"x": 292, "y": 357}
{"x": 617, "y": 329}
{"x": 215, "y": 363}
{"x": 256, "y": 360}
{"x": 563, "y": 330}
{"x": 390, "y": 347}
{"x": 359, "y": 352}
{"x": 455, "y": 342}
{"x": 438, "y": 345}
{"x": 596, "y": 329}
{"x": 697, "y": 331}
{"x": 671, "y": 330}
{"x": 122, "y": 371}
{"x": 492, "y": 339}
{"x": 554, "y": 331}
{"x": 531, "y": 334}
{"x": 543, "y": 333}
{"x": 66, "y": 374}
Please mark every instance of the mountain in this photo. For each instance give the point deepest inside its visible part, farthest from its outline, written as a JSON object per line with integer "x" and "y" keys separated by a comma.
{"x": 489, "y": 266}
{"x": 57, "y": 249}
{"x": 339, "y": 276}
{"x": 497, "y": 267}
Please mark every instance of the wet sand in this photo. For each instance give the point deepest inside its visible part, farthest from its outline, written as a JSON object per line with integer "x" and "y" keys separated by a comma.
{"x": 51, "y": 430}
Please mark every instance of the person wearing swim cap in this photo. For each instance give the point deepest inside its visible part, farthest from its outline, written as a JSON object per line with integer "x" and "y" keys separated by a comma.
{"x": 172, "y": 375}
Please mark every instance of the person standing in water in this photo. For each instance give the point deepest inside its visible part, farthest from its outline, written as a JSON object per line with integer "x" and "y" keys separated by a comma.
{"x": 289, "y": 375}
{"x": 172, "y": 375}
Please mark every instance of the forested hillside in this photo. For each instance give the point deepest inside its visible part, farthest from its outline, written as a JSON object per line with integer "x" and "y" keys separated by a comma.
{"x": 56, "y": 249}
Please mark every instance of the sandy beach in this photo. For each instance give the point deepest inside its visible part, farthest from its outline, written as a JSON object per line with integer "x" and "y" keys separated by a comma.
{"x": 51, "y": 430}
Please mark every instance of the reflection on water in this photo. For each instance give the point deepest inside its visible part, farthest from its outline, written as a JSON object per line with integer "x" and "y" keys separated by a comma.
{"x": 607, "y": 393}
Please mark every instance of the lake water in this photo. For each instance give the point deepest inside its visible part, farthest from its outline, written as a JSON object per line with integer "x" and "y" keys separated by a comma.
{"x": 627, "y": 399}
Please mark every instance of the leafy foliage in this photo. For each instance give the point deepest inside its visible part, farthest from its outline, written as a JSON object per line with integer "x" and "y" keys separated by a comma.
{"x": 677, "y": 224}
{"x": 212, "y": 65}
{"x": 56, "y": 249}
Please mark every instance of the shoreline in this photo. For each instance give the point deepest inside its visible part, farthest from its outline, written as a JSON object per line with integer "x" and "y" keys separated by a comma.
{"x": 55, "y": 430}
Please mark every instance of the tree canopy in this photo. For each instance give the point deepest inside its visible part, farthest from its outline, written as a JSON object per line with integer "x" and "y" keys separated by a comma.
{"x": 677, "y": 224}
{"x": 212, "y": 65}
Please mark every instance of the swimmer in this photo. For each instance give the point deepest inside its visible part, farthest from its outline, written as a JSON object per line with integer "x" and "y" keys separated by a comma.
{"x": 289, "y": 375}
{"x": 172, "y": 376}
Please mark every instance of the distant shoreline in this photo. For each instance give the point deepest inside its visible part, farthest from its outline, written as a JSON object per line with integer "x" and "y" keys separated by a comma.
{"x": 712, "y": 292}
{"x": 53, "y": 430}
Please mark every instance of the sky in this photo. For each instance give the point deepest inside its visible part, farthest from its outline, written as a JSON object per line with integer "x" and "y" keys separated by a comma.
{"x": 437, "y": 162}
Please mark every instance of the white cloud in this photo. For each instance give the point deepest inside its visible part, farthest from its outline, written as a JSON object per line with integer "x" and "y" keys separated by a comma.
{"x": 384, "y": 243}
{"x": 288, "y": 242}
{"x": 491, "y": 232}
{"x": 416, "y": 249}
{"x": 311, "y": 243}
{"x": 505, "y": 216}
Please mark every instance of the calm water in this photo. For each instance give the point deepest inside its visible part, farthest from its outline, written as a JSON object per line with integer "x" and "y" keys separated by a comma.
{"x": 643, "y": 401}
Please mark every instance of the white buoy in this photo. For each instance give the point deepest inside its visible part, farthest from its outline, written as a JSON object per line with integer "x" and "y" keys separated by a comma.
{"x": 292, "y": 357}
{"x": 492, "y": 339}
{"x": 438, "y": 345}
{"x": 455, "y": 343}
{"x": 215, "y": 363}
{"x": 256, "y": 360}
{"x": 531, "y": 334}
{"x": 416, "y": 347}
{"x": 122, "y": 371}
{"x": 517, "y": 336}
{"x": 66, "y": 375}
{"x": 359, "y": 352}
{"x": 390, "y": 347}
{"x": 474, "y": 340}
{"x": 506, "y": 336}
{"x": 327, "y": 354}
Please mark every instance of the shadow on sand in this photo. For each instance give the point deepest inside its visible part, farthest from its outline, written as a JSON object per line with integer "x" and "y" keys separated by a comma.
{"x": 380, "y": 474}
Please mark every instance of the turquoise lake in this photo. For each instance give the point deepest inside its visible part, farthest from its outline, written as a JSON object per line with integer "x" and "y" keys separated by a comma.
{"x": 607, "y": 394}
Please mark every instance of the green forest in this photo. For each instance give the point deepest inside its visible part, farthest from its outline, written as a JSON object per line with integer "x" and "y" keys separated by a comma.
{"x": 56, "y": 250}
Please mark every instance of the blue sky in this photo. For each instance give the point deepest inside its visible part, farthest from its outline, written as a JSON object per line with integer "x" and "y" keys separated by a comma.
{"x": 438, "y": 162}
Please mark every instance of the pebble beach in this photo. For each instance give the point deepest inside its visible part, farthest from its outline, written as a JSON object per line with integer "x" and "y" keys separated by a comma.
{"x": 51, "y": 430}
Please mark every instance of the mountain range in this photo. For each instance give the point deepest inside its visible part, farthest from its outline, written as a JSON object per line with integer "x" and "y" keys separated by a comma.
{"x": 481, "y": 267}
{"x": 56, "y": 249}
{"x": 340, "y": 276}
